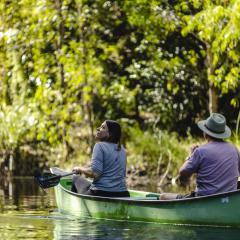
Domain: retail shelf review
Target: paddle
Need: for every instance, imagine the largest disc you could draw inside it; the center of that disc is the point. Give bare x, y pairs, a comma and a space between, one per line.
48, 180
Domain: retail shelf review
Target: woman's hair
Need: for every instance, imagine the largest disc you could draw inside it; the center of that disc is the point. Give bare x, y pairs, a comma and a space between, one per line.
115, 132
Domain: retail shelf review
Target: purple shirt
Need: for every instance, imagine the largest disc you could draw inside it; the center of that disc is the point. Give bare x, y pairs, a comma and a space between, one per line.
217, 165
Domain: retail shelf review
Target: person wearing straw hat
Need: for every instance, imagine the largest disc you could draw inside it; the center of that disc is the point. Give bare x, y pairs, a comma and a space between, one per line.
216, 163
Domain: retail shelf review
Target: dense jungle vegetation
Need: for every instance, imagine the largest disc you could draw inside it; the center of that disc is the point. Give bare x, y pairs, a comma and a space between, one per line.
156, 66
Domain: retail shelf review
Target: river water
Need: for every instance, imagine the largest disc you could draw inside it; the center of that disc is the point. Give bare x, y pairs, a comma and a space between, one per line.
27, 212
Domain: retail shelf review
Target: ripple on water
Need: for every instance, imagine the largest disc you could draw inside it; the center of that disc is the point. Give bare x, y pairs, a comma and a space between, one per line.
53, 225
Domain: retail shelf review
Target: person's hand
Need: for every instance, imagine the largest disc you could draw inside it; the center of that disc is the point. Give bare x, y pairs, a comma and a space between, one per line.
180, 181
175, 180
77, 170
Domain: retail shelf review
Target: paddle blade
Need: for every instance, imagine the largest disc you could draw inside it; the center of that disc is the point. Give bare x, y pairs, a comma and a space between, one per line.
47, 180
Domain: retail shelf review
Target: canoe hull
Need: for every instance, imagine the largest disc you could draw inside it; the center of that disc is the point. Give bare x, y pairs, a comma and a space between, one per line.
220, 210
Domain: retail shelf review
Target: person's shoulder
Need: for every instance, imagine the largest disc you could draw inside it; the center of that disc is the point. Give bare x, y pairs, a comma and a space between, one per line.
204, 146
201, 149
215, 145
224, 144
98, 146
108, 146
103, 145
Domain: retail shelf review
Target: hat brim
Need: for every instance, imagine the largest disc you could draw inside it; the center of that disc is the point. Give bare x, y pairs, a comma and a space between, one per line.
226, 134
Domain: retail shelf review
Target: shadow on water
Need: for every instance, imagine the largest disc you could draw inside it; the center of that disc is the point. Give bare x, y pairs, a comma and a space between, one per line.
26, 212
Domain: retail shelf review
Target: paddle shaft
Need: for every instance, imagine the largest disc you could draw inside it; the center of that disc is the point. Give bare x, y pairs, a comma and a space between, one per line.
47, 182
60, 176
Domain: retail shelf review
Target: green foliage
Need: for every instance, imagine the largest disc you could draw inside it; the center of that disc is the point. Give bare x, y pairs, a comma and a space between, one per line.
16, 123
155, 150
65, 66
216, 25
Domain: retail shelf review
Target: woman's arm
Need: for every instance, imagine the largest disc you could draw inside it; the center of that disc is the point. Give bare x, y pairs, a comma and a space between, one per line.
96, 168
87, 171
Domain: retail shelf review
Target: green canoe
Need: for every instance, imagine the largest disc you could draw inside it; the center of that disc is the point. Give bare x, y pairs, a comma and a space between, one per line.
218, 210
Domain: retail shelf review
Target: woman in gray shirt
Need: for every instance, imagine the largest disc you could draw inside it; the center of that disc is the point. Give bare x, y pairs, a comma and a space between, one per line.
108, 167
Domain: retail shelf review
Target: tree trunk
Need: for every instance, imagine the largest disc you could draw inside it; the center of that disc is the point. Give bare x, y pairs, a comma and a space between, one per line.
58, 4
213, 99
87, 105
213, 95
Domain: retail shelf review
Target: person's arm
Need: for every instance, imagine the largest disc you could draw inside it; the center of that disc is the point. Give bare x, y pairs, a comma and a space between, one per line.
87, 171
96, 168
189, 167
184, 175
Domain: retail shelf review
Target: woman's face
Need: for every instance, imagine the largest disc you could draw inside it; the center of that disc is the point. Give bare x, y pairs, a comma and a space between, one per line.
102, 132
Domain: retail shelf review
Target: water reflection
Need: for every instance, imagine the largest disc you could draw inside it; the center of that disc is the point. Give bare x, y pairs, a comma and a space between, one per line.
26, 212
14, 227
106, 229
23, 194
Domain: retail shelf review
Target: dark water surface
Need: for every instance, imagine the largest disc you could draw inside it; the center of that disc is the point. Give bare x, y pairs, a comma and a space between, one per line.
27, 212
